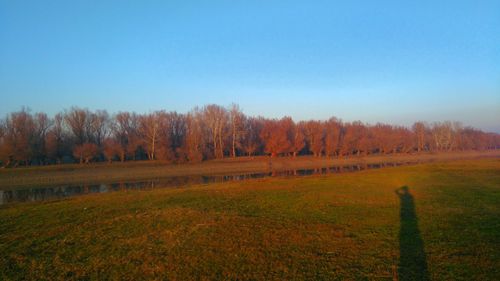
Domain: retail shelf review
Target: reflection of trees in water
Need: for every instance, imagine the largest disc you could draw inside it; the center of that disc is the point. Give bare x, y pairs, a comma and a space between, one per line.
55, 192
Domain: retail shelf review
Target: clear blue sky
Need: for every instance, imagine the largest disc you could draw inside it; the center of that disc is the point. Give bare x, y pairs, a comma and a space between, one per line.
388, 61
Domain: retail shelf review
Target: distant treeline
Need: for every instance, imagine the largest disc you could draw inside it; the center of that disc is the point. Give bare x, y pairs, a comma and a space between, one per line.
80, 135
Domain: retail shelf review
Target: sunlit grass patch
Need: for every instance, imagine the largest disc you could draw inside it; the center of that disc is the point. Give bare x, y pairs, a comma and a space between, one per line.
345, 226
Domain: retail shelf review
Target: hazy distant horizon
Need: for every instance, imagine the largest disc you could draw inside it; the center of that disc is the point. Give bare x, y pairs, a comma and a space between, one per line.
387, 61
399, 122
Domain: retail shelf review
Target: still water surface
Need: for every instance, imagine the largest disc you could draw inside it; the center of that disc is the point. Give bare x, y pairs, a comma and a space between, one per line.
63, 191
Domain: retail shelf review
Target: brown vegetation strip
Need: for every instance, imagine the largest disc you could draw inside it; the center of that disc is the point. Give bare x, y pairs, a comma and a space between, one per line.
107, 173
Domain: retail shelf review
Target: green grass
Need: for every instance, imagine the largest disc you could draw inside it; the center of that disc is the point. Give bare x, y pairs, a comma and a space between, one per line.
336, 227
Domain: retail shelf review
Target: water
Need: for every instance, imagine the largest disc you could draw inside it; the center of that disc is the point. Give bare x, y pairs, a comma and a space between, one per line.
63, 191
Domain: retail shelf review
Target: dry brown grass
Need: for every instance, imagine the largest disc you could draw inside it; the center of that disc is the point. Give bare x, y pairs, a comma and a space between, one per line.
135, 171
336, 227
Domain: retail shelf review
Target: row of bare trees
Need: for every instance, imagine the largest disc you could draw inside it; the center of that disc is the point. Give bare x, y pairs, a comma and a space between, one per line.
213, 132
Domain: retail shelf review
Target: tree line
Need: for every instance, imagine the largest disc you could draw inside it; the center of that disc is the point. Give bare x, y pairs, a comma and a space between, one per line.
213, 132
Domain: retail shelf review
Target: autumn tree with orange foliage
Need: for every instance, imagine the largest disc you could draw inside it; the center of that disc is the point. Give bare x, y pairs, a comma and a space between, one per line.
212, 132
85, 152
275, 135
315, 135
111, 149
333, 129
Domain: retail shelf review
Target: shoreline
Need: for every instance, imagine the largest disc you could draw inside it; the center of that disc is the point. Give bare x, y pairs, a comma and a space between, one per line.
130, 171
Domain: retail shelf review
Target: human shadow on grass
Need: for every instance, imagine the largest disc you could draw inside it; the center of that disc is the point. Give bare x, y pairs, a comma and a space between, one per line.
413, 261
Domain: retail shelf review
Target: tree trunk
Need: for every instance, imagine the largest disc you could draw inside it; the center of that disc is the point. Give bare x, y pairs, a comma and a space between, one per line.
153, 146
221, 148
215, 143
234, 145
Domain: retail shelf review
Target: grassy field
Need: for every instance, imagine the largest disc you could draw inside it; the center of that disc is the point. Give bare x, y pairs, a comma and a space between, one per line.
134, 171
437, 221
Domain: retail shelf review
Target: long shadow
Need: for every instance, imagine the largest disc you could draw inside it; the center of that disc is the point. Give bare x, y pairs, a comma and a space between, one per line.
413, 261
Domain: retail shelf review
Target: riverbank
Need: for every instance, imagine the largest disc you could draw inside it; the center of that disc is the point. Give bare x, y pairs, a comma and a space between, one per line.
130, 171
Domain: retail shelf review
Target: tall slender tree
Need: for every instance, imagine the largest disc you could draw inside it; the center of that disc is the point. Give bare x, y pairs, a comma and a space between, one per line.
236, 121
149, 130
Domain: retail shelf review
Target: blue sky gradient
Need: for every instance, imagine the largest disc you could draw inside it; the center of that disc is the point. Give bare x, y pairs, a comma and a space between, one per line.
374, 61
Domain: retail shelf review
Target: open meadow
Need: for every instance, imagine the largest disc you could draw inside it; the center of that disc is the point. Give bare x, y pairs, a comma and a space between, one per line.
249, 140
433, 221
